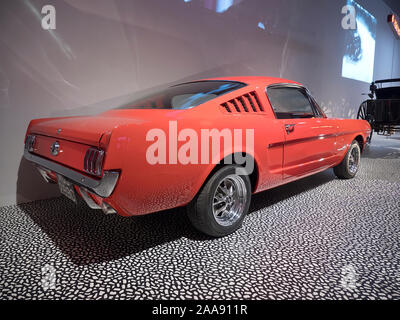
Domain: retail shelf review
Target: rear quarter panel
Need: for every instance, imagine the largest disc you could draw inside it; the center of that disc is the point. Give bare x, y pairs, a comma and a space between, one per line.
145, 188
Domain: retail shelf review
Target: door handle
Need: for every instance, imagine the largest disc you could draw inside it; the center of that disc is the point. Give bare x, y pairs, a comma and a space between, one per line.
289, 128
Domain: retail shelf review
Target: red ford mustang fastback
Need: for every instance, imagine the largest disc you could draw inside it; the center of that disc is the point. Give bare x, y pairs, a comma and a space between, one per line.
207, 145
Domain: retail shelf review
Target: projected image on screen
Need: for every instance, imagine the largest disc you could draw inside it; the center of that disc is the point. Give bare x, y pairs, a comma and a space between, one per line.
358, 60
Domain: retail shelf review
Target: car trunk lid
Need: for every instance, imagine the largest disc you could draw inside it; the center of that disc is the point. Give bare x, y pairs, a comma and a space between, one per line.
75, 135
89, 129
86, 130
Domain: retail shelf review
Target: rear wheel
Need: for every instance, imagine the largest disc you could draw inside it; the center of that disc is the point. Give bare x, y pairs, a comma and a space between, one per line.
222, 204
350, 165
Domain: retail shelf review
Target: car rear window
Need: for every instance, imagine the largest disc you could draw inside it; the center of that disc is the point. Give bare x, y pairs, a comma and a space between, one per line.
185, 96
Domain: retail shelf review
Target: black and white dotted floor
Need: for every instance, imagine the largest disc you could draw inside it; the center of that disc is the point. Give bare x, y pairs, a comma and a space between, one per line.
318, 238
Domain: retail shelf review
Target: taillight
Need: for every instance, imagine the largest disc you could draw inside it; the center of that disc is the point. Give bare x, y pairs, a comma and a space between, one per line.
93, 162
30, 143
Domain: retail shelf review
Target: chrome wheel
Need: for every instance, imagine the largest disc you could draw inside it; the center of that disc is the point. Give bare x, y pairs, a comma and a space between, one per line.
354, 160
229, 200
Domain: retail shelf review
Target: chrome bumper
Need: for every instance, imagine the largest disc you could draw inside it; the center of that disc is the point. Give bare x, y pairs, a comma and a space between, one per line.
102, 187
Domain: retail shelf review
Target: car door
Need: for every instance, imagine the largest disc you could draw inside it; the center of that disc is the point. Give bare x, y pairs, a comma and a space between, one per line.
309, 136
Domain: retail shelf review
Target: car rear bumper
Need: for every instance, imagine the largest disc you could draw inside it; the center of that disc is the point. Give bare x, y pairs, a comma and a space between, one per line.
102, 187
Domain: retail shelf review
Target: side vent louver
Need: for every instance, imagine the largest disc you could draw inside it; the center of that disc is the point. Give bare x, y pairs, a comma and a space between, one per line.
243, 104
225, 105
247, 103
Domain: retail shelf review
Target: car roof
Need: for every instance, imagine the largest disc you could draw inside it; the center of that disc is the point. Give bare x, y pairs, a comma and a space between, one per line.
256, 80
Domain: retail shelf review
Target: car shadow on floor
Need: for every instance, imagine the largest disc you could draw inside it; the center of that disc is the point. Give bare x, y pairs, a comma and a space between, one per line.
293, 189
88, 236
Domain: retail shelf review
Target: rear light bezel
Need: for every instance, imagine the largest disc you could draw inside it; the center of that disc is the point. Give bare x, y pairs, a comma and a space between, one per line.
30, 142
93, 161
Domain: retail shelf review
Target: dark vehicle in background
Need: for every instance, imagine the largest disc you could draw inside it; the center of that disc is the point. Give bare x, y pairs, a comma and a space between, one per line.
382, 110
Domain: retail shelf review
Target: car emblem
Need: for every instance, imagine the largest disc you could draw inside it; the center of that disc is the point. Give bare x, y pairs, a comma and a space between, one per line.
55, 148
58, 131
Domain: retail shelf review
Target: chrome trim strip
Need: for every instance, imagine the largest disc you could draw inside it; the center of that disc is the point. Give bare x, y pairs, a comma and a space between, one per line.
102, 187
307, 139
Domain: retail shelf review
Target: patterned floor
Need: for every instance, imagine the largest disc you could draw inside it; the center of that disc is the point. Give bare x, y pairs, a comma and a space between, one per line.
316, 238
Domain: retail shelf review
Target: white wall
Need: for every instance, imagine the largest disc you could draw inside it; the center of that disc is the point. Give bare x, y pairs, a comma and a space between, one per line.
103, 51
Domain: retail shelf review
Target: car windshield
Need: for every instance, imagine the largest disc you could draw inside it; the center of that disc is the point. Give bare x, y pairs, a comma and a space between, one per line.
185, 96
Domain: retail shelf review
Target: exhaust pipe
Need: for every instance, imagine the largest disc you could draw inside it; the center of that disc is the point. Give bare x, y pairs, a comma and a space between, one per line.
107, 209
47, 175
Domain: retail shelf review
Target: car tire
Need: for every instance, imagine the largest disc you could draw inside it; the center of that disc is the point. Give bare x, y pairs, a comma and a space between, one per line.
222, 203
350, 165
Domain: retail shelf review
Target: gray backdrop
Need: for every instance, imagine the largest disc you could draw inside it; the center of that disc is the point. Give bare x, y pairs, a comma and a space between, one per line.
103, 51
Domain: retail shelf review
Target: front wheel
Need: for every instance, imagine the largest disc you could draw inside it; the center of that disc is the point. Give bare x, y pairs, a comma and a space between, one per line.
350, 165
222, 204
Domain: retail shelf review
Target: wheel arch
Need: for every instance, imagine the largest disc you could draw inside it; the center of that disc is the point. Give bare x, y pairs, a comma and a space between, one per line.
254, 176
360, 139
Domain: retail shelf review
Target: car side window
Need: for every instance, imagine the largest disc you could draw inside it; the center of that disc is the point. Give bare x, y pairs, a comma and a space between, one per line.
290, 103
